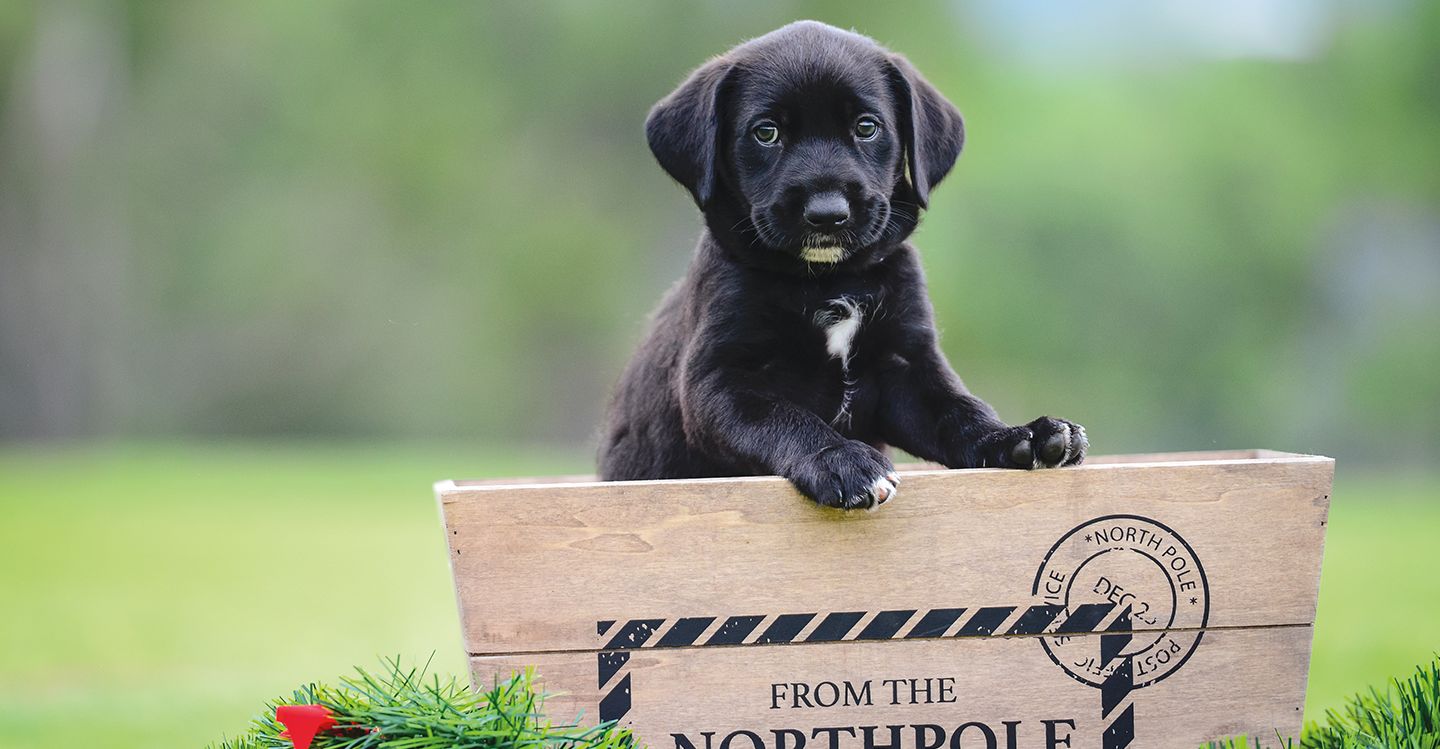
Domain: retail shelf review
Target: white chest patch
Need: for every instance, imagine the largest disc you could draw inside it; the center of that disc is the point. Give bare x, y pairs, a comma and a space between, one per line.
840, 321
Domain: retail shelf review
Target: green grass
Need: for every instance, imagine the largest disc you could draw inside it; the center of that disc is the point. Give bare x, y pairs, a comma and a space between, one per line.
158, 595
1379, 613
1403, 715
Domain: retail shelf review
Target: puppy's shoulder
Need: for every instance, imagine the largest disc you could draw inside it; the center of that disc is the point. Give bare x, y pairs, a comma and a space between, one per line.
715, 282
898, 271
904, 263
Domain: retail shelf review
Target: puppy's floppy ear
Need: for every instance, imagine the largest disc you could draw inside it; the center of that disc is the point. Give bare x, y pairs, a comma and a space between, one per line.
931, 127
684, 129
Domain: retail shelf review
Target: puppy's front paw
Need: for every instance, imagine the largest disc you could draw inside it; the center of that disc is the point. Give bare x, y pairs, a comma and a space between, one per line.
849, 476
1046, 442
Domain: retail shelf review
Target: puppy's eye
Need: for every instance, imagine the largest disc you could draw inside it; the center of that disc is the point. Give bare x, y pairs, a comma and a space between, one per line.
867, 128
766, 133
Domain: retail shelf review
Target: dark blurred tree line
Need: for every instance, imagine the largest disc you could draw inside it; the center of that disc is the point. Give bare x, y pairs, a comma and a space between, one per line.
441, 220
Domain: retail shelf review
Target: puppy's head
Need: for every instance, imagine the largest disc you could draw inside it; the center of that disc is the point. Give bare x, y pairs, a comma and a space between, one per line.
809, 145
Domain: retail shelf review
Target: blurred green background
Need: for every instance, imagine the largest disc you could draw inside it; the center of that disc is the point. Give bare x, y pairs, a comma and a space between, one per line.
268, 269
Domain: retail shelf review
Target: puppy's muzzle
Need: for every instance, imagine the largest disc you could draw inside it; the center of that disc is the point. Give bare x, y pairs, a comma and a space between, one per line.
826, 214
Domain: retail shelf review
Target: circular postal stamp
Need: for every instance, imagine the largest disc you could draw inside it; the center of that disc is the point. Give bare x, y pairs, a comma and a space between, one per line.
1125, 565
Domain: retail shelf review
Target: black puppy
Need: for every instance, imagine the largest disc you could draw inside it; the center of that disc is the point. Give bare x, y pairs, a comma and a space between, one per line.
802, 341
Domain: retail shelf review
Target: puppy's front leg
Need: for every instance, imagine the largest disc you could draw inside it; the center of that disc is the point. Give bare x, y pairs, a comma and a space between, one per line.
731, 412
927, 412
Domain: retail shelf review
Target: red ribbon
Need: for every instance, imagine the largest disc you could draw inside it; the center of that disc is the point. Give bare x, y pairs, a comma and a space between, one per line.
302, 722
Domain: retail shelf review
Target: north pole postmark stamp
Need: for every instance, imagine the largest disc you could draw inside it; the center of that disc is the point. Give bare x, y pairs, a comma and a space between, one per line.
1136, 565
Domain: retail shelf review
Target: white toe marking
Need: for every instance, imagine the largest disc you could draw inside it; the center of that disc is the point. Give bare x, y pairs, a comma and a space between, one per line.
882, 491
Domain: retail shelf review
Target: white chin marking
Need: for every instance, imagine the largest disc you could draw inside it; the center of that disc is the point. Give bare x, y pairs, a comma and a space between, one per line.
832, 254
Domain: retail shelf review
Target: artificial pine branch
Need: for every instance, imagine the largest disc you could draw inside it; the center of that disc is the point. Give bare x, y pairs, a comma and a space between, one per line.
401, 710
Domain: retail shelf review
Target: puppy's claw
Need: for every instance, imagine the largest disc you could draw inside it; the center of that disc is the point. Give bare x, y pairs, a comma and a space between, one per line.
1079, 443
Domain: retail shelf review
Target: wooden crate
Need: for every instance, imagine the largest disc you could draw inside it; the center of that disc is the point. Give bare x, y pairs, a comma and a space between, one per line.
1134, 601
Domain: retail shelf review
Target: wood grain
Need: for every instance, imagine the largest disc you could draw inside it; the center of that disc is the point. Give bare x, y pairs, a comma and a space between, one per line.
536, 565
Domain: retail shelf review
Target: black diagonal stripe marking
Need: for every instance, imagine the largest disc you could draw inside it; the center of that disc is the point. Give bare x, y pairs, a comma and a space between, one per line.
935, 622
684, 632
1035, 620
784, 628
1119, 734
1116, 686
1112, 644
602, 627
885, 625
610, 663
985, 621
634, 634
734, 630
614, 705
836, 626
1085, 618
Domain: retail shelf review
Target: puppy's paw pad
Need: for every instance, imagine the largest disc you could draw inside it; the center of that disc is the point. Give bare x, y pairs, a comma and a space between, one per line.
1062, 443
1022, 455
1011, 447
1052, 450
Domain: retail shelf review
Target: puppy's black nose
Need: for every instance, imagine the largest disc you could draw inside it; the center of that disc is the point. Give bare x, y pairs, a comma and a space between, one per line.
827, 210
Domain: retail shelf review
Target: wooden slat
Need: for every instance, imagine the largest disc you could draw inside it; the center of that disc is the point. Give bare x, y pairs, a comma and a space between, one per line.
1237, 682
538, 565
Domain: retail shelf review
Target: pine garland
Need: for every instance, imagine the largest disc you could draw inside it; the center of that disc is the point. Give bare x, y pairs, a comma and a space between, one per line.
401, 710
